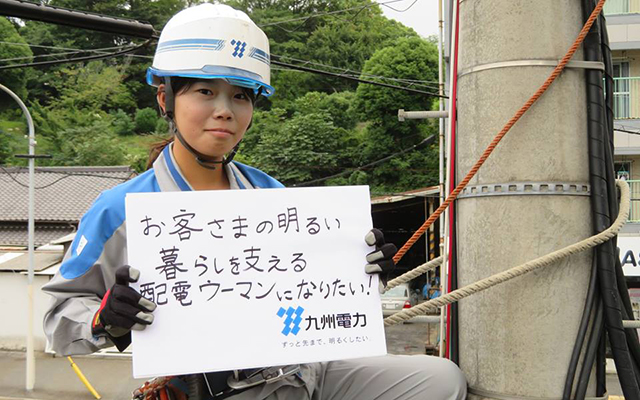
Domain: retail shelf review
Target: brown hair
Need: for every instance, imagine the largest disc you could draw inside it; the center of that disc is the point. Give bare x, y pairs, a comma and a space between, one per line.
155, 150
181, 85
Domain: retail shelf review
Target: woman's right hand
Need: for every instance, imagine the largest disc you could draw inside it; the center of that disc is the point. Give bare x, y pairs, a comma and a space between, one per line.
122, 308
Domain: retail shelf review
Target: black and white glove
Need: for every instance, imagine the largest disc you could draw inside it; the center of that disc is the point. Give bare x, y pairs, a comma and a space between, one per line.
380, 261
122, 308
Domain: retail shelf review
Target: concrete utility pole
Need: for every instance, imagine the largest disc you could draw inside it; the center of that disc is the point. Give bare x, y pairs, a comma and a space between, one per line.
516, 339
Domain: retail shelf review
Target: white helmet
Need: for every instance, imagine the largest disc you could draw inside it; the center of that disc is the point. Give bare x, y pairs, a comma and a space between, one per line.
213, 41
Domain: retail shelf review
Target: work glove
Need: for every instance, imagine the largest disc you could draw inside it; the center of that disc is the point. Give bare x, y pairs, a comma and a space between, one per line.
122, 308
380, 261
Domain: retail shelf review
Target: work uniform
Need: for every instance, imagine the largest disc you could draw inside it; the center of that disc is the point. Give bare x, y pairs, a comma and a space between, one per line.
99, 248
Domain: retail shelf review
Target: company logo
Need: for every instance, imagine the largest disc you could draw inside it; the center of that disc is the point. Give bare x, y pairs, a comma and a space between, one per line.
238, 51
291, 323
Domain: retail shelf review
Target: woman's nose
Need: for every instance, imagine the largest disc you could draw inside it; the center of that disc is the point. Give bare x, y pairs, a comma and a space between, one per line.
222, 109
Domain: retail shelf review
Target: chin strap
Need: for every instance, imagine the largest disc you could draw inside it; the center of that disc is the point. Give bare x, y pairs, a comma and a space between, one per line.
203, 160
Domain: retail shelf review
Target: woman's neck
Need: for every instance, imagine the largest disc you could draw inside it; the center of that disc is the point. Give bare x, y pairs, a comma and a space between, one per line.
199, 177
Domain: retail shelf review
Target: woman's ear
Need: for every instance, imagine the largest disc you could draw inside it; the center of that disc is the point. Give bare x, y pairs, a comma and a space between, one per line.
161, 96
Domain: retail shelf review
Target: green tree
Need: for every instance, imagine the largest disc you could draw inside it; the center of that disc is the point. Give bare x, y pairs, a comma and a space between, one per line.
14, 48
338, 105
308, 146
90, 145
411, 59
95, 86
146, 120
122, 123
5, 147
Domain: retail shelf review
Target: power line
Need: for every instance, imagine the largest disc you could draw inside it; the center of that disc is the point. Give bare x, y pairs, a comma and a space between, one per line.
101, 51
78, 59
401, 11
66, 175
62, 54
428, 140
282, 64
356, 74
308, 17
626, 131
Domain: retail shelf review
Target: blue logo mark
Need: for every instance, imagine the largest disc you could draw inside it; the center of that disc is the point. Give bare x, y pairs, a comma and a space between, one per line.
291, 324
238, 51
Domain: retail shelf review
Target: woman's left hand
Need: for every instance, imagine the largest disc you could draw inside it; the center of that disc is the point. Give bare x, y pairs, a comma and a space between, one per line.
379, 261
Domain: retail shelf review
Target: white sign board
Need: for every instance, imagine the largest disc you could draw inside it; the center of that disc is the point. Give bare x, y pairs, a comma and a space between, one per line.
253, 278
629, 252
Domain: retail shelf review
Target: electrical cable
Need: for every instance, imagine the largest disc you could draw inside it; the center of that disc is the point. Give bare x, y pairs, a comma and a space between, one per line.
101, 51
428, 140
78, 59
582, 330
500, 135
282, 64
401, 11
590, 354
598, 143
356, 74
308, 17
66, 175
627, 309
591, 52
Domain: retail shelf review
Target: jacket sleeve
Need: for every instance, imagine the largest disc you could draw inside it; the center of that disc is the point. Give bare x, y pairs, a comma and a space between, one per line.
86, 273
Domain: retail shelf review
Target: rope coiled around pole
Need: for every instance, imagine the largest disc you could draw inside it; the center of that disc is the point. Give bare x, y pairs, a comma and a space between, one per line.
519, 270
494, 143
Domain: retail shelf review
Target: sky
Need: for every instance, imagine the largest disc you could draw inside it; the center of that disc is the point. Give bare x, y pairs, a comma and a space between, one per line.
422, 16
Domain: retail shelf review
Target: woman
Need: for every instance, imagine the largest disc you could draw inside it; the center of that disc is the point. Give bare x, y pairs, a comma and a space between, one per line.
211, 64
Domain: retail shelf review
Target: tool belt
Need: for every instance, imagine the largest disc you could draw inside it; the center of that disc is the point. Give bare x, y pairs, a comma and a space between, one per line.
212, 385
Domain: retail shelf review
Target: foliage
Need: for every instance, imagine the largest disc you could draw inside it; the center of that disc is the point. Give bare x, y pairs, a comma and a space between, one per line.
146, 120
14, 79
5, 147
122, 123
96, 86
90, 145
314, 127
338, 105
308, 146
410, 59
162, 126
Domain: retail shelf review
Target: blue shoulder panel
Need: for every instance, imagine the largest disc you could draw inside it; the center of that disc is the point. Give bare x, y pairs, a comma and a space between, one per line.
258, 178
101, 221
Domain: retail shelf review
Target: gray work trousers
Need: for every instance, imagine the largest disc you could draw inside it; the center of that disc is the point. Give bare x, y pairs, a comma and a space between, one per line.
376, 378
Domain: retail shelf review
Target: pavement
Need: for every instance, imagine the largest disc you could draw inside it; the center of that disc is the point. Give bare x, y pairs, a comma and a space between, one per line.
111, 376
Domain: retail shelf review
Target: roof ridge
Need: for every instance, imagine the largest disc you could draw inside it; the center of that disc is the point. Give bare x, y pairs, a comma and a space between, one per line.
117, 168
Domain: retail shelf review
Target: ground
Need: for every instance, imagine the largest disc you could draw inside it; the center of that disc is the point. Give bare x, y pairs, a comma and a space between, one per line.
111, 376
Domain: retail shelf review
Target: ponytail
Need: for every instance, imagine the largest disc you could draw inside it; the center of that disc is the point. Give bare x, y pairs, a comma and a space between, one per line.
155, 150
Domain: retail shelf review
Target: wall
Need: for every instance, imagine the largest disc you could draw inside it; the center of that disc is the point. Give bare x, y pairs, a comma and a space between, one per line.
13, 308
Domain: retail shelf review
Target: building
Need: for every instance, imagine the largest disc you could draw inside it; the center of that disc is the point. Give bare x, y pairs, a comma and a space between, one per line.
623, 24
62, 196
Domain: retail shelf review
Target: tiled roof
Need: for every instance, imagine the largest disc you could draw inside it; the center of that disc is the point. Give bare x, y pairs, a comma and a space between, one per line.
63, 194
17, 235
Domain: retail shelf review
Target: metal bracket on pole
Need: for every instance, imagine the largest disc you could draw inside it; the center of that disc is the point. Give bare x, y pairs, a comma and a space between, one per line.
597, 65
402, 114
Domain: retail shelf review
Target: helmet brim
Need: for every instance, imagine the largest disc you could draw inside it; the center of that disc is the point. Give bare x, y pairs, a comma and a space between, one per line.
231, 75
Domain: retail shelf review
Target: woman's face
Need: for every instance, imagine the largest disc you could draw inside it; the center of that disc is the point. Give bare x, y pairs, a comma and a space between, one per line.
212, 116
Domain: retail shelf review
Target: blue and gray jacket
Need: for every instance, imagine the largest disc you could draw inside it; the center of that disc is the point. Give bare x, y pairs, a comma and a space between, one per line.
100, 247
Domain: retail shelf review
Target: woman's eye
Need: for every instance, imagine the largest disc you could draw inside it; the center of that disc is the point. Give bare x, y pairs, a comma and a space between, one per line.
205, 91
242, 96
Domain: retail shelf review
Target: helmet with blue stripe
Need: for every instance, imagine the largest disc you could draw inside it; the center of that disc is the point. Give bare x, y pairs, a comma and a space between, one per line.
213, 41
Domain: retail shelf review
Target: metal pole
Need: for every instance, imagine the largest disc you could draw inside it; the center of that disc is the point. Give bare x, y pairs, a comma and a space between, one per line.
402, 114
31, 361
444, 180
